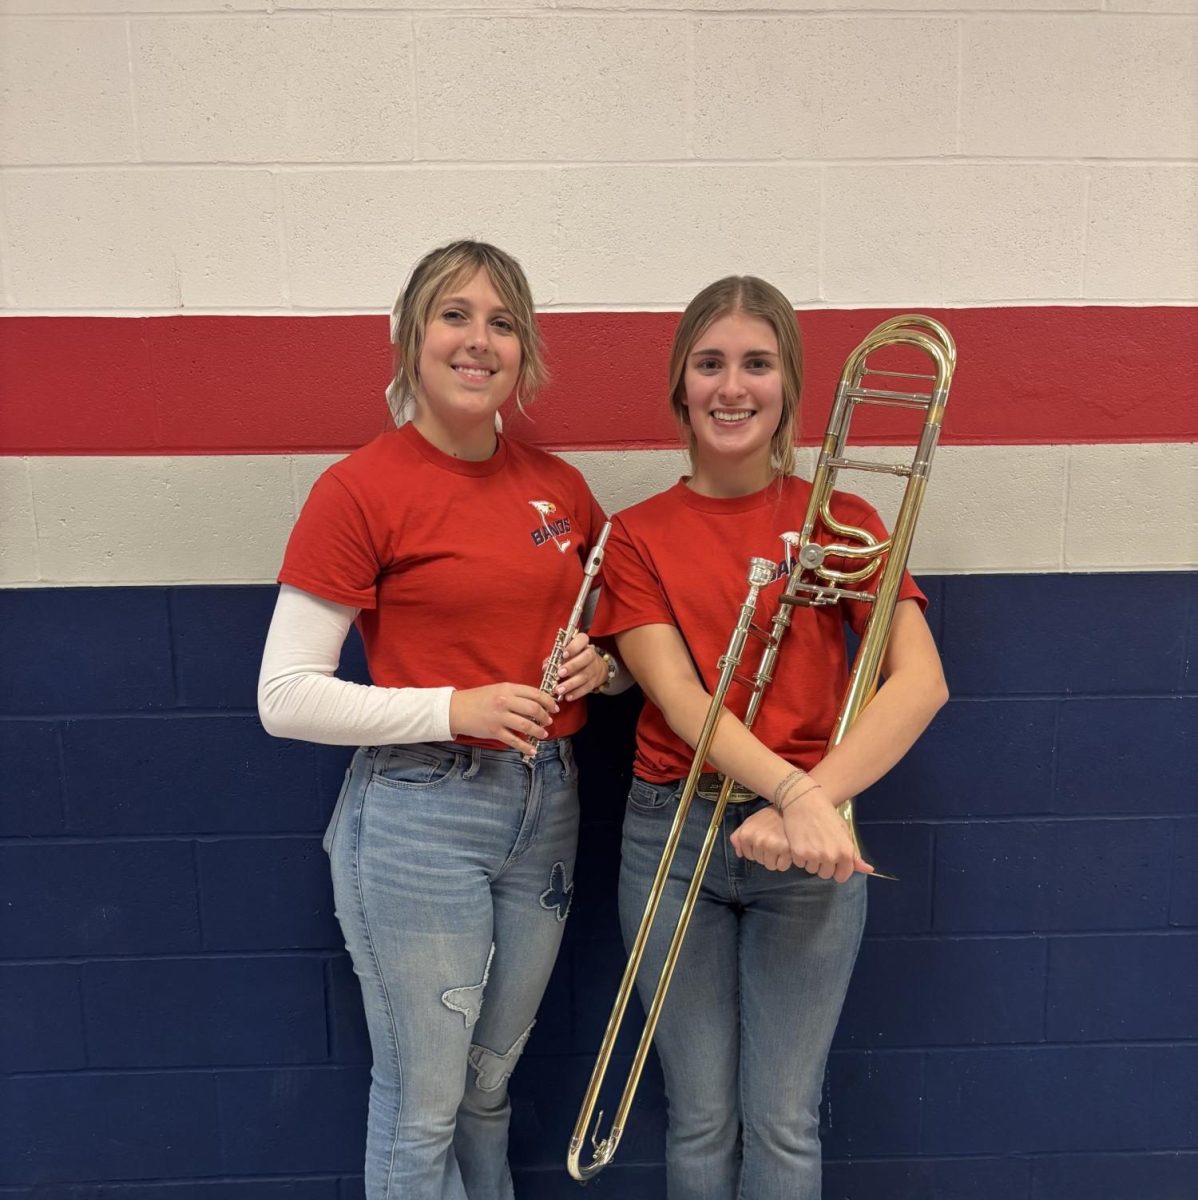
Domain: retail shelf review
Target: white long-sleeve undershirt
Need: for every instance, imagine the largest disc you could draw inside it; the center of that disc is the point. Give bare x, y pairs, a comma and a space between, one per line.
300, 697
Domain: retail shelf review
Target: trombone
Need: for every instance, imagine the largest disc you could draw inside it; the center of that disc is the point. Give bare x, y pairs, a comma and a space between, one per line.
812, 582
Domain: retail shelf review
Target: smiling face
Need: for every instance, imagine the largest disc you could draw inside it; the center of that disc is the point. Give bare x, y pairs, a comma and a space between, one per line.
469, 362
737, 359
733, 394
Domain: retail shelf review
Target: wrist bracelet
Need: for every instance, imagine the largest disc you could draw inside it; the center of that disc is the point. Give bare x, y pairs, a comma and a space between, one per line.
609, 661
785, 785
797, 796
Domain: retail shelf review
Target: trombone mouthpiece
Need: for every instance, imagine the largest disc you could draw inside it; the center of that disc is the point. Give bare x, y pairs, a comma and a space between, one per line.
761, 571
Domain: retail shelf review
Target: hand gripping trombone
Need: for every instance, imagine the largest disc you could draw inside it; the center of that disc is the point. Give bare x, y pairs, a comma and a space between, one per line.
811, 582
566, 636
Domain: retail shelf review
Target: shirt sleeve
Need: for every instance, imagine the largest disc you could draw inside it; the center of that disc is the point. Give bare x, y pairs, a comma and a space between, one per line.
631, 595
299, 696
331, 552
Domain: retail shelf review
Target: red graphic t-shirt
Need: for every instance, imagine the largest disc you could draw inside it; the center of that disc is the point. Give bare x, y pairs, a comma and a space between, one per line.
682, 559
464, 571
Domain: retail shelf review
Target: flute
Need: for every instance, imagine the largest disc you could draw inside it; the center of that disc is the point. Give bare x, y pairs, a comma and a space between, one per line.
565, 636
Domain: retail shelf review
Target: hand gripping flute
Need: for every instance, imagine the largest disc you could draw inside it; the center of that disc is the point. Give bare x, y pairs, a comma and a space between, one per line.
566, 636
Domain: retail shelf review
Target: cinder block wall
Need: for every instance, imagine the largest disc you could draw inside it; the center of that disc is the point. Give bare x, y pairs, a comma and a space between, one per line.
205, 211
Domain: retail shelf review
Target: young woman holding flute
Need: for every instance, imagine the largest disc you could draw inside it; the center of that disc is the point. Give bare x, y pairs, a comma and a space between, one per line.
746, 1026
458, 552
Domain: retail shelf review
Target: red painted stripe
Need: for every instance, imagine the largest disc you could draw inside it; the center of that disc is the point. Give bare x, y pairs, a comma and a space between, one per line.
196, 385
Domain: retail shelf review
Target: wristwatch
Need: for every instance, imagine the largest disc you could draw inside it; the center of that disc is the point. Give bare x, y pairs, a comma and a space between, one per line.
609, 661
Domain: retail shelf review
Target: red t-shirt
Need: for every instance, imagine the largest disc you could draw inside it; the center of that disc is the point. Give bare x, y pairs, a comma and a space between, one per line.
682, 559
464, 571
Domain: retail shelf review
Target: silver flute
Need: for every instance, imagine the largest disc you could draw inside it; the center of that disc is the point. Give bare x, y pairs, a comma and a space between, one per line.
565, 636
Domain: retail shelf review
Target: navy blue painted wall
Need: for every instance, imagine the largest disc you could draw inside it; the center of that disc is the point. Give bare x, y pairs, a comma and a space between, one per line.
177, 1021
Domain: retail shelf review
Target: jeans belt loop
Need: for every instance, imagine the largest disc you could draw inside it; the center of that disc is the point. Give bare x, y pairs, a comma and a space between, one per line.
476, 758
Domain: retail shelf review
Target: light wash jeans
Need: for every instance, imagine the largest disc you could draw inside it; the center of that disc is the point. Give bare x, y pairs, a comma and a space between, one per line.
745, 1029
453, 872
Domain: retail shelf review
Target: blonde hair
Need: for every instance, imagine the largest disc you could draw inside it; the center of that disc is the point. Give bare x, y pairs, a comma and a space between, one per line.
755, 298
436, 273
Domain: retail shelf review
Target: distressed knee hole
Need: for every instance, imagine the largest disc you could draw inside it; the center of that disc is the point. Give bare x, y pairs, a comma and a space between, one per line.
469, 1000
494, 1070
557, 896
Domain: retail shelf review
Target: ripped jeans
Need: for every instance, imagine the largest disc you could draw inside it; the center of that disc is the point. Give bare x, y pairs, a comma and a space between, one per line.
453, 871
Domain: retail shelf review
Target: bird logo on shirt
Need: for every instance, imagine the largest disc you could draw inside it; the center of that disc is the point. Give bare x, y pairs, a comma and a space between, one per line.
791, 541
550, 530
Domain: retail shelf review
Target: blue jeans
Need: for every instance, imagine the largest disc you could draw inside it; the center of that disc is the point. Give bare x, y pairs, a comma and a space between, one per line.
745, 1029
453, 872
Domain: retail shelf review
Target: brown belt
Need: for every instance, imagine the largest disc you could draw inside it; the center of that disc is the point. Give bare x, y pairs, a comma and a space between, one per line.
709, 789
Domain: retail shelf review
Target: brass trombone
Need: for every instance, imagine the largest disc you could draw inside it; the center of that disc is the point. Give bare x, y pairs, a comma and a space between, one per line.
812, 582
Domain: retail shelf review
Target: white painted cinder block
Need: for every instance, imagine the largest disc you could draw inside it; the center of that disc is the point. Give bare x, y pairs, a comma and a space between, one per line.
482, 6
305, 470
656, 235
66, 96
222, 519
498, 89
139, 6
1153, 6
1143, 233
1132, 506
162, 520
622, 478
988, 507
305, 89
753, 7
961, 5
1118, 86
825, 87
142, 239
353, 236
18, 532
953, 233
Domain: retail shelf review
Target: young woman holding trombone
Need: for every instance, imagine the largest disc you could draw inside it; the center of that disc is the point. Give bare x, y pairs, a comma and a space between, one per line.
758, 984
458, 552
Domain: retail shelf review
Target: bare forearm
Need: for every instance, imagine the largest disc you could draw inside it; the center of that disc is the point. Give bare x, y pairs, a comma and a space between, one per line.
887, 728
734, 750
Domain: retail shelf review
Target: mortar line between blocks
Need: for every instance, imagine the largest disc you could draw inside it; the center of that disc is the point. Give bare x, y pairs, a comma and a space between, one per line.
1087, 195
282, 235
138, 149
197, 893
960, 85
414, 59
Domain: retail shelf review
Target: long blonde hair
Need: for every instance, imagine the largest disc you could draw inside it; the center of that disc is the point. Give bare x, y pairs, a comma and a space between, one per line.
436, 273
755, 298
